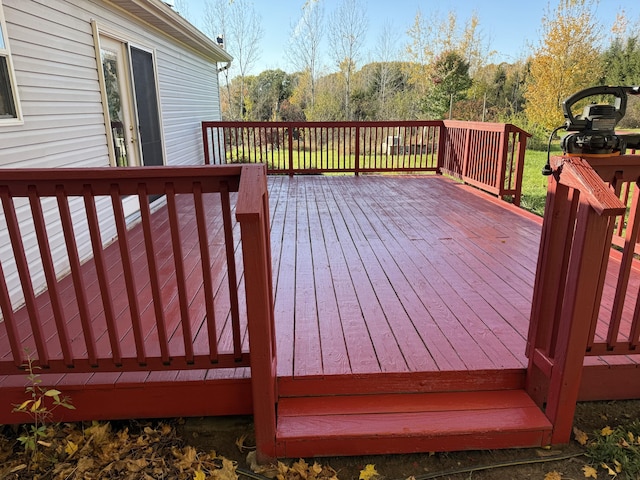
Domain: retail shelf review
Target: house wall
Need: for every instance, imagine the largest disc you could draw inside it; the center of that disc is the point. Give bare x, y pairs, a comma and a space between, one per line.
52, 46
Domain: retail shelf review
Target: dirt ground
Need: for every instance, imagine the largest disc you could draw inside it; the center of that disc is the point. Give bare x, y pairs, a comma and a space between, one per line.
221, 435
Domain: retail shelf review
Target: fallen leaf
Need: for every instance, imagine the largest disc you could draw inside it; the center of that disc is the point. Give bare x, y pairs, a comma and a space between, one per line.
184, 457
590, 472
70, 448
606, 431
581, 437
368, 473
199, 475
609, 470
137, 465
553, 476
618, 465
227, 472
301, 468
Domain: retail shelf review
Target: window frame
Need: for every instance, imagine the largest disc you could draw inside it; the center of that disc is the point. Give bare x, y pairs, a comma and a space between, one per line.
13, 84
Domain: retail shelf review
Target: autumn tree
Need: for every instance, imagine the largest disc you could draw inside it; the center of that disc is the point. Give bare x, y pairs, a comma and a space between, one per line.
348, 28
328, 106
420, 54
565, 61
304, 47
239, 26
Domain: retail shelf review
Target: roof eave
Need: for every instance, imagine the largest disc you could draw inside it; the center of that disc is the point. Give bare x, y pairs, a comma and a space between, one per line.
164, 18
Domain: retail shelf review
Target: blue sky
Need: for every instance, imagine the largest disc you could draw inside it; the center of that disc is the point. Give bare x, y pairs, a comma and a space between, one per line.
508, 26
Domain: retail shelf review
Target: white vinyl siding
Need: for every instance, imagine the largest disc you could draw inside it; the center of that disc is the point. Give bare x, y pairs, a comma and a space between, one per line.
10, 110
56, 71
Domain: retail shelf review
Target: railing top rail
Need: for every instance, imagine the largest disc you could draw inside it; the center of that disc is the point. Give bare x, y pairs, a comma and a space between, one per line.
483, 126
625, 168
127, 179
332, 124
576, 172
512, 128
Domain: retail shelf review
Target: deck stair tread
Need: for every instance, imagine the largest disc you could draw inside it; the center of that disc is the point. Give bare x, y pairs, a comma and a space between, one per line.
404, 423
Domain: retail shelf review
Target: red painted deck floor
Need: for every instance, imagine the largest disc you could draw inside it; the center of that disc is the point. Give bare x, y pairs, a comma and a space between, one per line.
390, 278
386, 274
397, 275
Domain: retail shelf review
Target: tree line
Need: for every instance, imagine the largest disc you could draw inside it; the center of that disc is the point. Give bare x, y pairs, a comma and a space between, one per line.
444, 70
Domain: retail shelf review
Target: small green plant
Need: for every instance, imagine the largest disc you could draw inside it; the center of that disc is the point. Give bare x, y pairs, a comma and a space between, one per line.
614, 450
40, 407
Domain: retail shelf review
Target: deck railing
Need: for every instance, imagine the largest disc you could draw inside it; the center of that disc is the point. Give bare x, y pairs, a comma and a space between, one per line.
163, 295
488, 156
575, 264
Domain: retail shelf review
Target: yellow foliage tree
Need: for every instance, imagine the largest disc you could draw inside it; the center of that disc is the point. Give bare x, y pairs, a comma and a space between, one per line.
566, 61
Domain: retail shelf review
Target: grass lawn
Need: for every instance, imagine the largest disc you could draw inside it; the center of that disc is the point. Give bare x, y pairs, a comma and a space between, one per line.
534, 184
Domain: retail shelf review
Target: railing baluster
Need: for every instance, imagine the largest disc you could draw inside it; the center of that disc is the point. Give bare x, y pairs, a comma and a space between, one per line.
626, 263
101, 271
22, 266
205, 144
129, 278
156, 291
9, 322
205, 259
231, 270
50, 275
289, 131
76, 274
174, 226
357, 160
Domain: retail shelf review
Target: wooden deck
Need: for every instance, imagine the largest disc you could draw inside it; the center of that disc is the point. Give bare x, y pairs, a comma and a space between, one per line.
389, 275
382, 284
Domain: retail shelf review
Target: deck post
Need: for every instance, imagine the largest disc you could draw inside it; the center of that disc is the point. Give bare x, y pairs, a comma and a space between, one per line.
442, 139
289, 131
521, 143
567, 291
503, 148
580, 301
252, 212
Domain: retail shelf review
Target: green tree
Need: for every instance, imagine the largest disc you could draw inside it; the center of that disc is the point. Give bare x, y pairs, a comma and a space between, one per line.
565, 61
621, 62
450, 80
267, 91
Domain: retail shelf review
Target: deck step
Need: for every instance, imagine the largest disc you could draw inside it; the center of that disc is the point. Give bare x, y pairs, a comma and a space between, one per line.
406, 423
406, 382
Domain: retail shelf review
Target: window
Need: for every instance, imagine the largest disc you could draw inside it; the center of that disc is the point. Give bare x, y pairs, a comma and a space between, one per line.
9, 106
